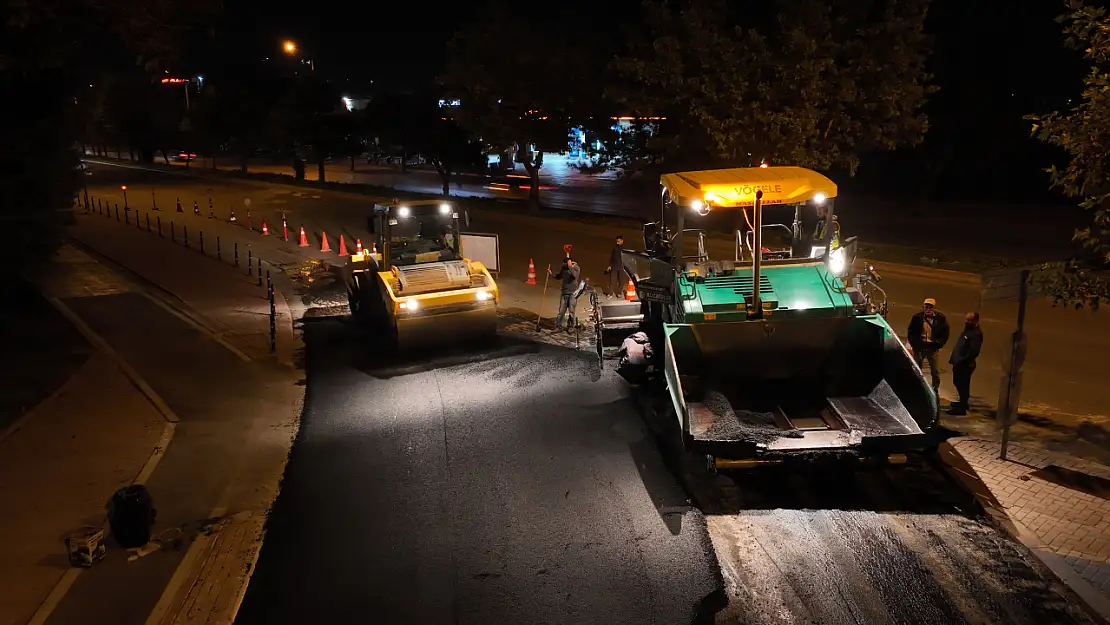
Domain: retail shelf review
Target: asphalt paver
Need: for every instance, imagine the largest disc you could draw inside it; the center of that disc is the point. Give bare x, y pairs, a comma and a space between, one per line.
514, 483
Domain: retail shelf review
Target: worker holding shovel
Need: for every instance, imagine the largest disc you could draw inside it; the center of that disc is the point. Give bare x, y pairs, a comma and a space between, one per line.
569, 275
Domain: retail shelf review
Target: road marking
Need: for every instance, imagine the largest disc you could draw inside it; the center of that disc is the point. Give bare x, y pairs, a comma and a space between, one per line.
187, 318
169, 428
107, 350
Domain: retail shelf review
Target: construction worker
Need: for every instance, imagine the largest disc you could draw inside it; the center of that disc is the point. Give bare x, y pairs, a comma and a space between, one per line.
822, 225
617, 276
927, 334
570, 274
964, 353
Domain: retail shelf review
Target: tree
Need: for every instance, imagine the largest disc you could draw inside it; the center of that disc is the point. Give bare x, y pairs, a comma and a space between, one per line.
522, 86
817, 84
418, 125
1083, 132
50, 51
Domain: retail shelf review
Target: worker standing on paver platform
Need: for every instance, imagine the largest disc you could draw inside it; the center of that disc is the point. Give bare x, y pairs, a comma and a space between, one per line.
615, 270
964, 353
570, 275
927, 334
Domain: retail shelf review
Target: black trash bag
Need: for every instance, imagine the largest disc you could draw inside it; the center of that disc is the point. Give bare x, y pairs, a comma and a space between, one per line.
131, 516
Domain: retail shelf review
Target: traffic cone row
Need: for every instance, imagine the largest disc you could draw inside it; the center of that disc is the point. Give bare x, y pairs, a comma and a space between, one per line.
358, 246
342, 247
324, 247
531, 272
304, 239
265, 230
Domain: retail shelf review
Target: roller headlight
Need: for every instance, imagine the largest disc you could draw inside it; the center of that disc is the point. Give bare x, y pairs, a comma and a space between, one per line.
403, 211
411, 305
445, 209
483, 295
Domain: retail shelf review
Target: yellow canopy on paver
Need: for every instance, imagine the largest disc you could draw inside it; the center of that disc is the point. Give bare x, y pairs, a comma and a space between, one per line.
736, 187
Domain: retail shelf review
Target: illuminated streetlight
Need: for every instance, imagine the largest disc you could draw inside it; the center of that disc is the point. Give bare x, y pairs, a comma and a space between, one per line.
290, 47
124, 189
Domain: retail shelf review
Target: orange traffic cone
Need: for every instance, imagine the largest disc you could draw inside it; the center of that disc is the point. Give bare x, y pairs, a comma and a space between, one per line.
265, 230
179, 206
342, 247
196, 209
324, 247
373, 248
304, 239
630, 291
232, 218
531, 272
358, 246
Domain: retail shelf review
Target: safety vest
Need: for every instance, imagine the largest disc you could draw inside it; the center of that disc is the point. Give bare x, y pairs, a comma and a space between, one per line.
819, 233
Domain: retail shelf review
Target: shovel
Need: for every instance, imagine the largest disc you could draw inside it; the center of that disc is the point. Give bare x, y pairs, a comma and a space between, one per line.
539, 311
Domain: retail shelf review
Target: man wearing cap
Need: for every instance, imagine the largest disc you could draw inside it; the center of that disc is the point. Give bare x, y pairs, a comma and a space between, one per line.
927, 334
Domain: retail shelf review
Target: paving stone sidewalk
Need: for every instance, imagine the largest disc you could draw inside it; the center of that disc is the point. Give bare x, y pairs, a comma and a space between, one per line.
1067, 521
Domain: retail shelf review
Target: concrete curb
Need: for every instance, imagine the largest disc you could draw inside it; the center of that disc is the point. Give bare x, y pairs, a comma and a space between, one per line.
1092, 600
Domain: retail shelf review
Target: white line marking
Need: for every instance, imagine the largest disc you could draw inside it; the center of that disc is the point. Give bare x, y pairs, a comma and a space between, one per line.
106, 349
169, 427
187, 318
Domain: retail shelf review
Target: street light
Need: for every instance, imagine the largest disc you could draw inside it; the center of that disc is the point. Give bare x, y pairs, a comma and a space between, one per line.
124, 189
290, 48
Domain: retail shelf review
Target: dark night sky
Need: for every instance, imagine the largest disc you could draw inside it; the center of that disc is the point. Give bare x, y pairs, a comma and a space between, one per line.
994, 61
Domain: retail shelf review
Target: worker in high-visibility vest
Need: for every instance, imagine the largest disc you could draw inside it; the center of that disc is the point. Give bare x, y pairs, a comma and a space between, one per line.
822, 224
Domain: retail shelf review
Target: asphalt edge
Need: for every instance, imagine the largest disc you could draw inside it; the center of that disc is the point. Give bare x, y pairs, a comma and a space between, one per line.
1092, 601
169, 428
925, 273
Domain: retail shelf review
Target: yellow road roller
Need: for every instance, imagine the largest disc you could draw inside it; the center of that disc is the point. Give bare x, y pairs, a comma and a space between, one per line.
413, 282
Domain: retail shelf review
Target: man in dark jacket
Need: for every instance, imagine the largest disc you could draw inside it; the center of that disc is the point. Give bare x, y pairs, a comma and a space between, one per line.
617, 276
927, 334
966, 350
569, 275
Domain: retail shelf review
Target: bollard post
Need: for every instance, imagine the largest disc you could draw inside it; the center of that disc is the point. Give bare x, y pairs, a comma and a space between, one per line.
99, 206
250, 259
236, 253
126, 217
185, 229
159, 225
202, 241
153, 201
259, 272
173, 233
219, 255
148, 222
117, 211
273, 314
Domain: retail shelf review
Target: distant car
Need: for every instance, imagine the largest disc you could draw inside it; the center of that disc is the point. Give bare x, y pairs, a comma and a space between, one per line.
183, 156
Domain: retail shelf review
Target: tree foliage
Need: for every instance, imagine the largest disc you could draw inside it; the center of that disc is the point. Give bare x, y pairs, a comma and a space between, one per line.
817, 85
50, 51
1084, 133
522, 84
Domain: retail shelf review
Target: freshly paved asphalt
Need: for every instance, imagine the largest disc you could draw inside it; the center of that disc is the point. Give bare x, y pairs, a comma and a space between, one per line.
512, 484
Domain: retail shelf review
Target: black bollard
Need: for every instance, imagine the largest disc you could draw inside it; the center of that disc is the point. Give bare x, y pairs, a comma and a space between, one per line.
99, 206
159, 225
273, 314
117, 212
219, 254
202, 241
126, 216
185, 229
148, 222
259, 272
250, 259
236, 253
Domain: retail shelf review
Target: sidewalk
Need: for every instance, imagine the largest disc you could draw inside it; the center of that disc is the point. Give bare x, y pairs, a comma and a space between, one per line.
1055, 504
57, 472
205, 289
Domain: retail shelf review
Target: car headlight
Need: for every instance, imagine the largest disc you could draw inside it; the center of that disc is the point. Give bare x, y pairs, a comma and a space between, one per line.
836, 261
483, 295
411, 305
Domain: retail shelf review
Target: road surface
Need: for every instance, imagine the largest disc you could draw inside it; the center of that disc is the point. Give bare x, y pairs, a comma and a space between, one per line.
515, 484
518, 484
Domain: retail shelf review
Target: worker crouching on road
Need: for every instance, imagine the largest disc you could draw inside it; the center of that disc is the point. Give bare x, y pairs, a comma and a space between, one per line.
927, 334
570, 274
964, 353
617, 276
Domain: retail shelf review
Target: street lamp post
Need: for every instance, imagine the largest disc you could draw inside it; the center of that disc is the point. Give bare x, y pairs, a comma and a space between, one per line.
124, 189
290, 48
